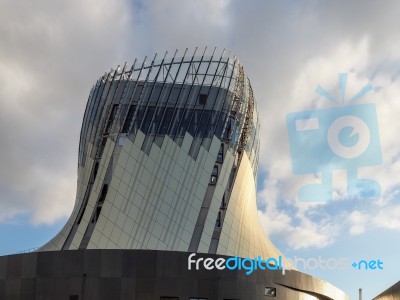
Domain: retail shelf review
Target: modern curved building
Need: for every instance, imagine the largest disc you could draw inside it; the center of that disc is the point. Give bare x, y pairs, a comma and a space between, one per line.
168, 160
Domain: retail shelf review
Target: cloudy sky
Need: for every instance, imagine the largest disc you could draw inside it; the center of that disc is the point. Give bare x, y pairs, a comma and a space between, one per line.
51, 52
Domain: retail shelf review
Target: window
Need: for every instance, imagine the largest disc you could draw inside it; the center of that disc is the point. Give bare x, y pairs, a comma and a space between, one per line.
81, 216
167, 119
202, 99
103, 142
220, 156
101, 149
169, 298
270, 292
223, 203
129, 118
218, 222
111, 118
96, 168
97, 215
103, 193
147, 119
214, 175
229, 127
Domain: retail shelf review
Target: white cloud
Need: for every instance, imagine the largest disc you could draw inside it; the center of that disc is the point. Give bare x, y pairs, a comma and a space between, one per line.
50, 55
175, 24
357, 222
304, 235
330, 52
387, 218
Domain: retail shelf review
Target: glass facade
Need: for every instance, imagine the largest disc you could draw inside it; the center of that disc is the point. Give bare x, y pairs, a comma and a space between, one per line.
204, 96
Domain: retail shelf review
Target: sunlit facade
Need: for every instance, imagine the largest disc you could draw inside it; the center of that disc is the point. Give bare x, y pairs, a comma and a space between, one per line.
392, 293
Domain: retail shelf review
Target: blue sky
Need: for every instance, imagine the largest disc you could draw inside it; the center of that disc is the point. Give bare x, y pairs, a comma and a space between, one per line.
51, 53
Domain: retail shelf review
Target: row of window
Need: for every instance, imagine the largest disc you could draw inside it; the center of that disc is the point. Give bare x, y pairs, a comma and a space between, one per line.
220, 159
173, 118
213, 180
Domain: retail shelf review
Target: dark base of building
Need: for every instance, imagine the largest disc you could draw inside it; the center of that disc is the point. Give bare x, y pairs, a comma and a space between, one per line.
145, 274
